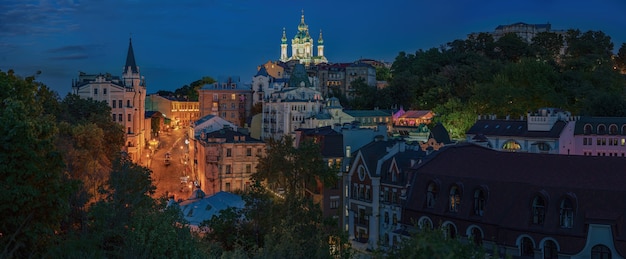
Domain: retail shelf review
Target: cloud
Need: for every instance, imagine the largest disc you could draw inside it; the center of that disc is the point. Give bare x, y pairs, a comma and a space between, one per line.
70, 57
35, 18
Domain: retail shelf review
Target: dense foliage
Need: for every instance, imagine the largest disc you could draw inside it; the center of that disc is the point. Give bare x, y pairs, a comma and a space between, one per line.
507, 76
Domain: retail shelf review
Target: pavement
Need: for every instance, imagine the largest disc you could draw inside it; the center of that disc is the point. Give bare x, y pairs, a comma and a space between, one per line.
171, 179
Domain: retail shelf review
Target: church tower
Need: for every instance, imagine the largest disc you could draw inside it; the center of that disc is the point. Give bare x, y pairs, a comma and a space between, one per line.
302, 46
135, 101
320, 46
283, 47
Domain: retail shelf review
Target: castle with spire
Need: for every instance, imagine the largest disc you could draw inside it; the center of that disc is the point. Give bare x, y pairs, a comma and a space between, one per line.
126, 96
302, 46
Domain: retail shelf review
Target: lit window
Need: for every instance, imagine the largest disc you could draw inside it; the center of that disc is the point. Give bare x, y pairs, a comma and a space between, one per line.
511, 145
455, 199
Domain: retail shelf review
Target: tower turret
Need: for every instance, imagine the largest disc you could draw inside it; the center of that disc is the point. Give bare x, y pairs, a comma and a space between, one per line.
320, 45
283, 47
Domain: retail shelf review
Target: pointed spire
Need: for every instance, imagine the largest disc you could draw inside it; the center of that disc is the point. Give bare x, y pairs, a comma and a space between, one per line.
130, 58
283, 40
320, 41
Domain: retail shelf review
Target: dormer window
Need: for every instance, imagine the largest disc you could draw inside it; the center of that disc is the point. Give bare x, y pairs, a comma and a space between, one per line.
479, 202
454, 199
538, 210
601, 129
566, 211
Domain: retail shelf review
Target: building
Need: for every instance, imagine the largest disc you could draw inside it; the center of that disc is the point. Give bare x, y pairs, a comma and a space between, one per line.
292, 107
543, 131
521, 204
226, 160
229, 99
523, 30
302, 46
371, 118
126, 97
180, 113
376, 185
595, 136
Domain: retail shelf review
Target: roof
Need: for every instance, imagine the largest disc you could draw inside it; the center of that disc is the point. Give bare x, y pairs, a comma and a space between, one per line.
517, 128
331, 140
130, 58
440, 134
512, 179
229, 135
416, 114
196, 210
373, 152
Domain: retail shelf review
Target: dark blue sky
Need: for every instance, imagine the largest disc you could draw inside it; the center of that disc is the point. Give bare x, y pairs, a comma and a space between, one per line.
178, 42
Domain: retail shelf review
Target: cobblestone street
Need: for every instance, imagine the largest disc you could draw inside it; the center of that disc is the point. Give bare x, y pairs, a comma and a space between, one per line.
169, 179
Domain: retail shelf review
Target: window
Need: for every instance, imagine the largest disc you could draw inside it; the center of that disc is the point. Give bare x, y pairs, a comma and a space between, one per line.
216, 97
613, 129
229, 152
538, 210
248, 169
479, 202
224, 96
600, 252
104, 91
334, 202
587, 129
477, 236
449, 230
431, 195
95, 91
549, 250
114, 117
455, 199
227, 169
386, 217
129, 117
601, 129
232, 106
511, 145
119, 116
248, 151
113, 103
544, 147
425, 223
395, 219
119, 102
127, 103
527, 247
233, 97
227, 187
129, 130
567, 213
368, 194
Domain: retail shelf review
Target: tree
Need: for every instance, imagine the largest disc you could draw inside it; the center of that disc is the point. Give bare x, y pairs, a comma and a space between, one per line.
620, 59
364, 95
427, 243
293, 168
34, 193
547, 45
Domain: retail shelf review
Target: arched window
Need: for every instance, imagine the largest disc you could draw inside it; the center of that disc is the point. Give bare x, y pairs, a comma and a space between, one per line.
538, 210
613, 129
588, 129
600, 252
425, 223
431, 195
449, 230
601, 129
455, 199
566, 213
477, 236
479, 202
543, 146
549, 250
511, 145
527, 247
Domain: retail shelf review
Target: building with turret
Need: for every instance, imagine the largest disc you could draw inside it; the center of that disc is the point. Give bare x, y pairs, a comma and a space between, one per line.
126, 96
302, 46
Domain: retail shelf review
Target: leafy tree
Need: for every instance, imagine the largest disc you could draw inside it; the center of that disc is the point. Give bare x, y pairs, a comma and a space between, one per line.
293, 168
547, 45
364, 95
511, 47
429, 244
383, 73
620, 59
34, 193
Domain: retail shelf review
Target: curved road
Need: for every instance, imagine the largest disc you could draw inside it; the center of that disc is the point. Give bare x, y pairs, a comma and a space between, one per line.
167, 178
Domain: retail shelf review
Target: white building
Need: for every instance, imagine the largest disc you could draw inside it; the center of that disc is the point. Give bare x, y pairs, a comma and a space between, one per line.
302, 46
126, 96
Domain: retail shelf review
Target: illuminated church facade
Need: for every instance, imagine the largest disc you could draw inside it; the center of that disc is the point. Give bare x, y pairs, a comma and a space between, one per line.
302, 46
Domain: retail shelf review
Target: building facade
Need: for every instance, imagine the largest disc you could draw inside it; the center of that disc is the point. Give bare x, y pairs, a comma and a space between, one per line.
229, 99
126, 97
524, 205
226, 160
181, 113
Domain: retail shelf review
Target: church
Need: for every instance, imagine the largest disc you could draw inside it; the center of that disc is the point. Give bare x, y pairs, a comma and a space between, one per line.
302, 46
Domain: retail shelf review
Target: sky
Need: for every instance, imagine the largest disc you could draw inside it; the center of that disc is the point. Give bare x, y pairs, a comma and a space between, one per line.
178, 42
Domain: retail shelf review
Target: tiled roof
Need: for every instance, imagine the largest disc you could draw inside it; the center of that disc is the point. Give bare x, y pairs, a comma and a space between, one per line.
517, 128
512, 179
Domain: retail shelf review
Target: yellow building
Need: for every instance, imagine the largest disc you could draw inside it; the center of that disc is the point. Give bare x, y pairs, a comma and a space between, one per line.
180, 113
